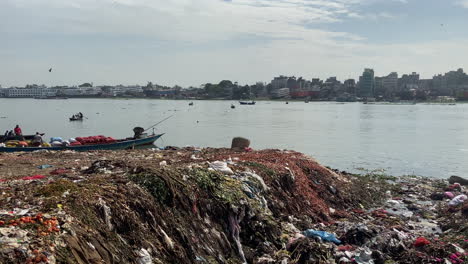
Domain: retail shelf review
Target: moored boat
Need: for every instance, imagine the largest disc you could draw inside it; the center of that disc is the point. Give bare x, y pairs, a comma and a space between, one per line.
247, 103
127, 143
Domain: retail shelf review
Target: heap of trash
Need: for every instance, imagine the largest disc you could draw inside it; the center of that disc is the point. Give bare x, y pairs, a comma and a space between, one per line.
193, 205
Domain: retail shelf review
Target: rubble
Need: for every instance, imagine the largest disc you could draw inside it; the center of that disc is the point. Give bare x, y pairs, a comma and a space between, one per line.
187, 205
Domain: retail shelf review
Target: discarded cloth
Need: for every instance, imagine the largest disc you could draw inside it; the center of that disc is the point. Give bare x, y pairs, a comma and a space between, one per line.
421, 241
458, 200
34, 177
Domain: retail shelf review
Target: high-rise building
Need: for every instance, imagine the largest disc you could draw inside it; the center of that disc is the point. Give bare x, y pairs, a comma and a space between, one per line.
366, 84
390, 84
408, 82
279, 82
350, 86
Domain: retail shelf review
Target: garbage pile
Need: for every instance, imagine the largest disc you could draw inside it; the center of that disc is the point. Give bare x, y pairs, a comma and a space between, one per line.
188, 205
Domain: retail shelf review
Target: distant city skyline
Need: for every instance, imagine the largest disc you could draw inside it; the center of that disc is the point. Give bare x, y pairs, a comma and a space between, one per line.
187, 42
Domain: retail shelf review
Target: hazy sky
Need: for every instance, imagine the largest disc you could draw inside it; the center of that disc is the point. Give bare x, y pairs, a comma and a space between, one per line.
190, 42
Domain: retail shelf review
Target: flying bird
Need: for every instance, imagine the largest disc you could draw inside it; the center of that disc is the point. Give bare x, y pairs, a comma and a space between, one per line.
50, 70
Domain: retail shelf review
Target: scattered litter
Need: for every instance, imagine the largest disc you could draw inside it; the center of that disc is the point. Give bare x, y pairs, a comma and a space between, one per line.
45, 166
144, 257
421, 241
34, 177
221, 167
458, 200
325, 236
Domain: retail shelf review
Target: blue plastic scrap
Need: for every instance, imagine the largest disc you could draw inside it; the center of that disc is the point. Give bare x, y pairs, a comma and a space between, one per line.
45, 166
325, 236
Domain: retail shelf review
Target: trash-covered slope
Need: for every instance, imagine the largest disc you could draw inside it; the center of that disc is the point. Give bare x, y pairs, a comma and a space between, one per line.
219, 206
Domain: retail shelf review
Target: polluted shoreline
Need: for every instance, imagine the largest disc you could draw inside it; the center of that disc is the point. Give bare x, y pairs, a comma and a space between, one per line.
189, 205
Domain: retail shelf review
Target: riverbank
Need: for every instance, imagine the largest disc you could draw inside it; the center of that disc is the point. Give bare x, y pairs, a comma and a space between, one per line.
219, 206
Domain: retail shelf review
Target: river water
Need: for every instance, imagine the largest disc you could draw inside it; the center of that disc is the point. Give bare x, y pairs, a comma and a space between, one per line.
422, 139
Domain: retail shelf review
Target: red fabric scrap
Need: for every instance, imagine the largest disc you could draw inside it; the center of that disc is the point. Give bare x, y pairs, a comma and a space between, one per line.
380, 213
34, 177
421, 241
345, 248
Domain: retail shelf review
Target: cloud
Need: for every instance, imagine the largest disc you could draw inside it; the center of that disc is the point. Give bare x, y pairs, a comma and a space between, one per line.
463, 3
190, 42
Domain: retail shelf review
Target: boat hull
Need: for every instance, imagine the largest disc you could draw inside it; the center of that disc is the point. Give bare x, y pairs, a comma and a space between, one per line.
128, 144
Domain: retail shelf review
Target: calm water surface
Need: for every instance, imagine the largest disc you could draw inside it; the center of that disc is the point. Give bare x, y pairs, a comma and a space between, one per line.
429, 140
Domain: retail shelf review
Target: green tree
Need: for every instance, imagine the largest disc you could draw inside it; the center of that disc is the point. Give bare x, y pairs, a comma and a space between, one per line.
86, 85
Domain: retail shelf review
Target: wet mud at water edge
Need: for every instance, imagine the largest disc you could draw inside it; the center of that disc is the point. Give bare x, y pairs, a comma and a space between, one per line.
221, 206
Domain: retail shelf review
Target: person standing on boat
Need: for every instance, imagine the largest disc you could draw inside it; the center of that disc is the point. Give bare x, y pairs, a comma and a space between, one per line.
37, 140
18, 131
80, 115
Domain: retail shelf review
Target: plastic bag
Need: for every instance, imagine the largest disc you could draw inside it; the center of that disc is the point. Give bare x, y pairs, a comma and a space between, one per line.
458, 200
325, 236
221, 167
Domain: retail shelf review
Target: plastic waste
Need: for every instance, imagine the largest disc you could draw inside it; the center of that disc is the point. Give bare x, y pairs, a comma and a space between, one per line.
325, 236
144, 257
364, 257
34, 177
458, 200
221, 167
45, 166
421, 241
449, 195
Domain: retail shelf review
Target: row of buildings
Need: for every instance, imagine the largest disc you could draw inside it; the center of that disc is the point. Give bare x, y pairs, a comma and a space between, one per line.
41, 91
389, 87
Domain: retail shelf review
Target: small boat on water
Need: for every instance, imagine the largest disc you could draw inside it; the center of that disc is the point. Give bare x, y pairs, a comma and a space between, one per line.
233, 106
190, 104
127, 143
75, 118
247, 103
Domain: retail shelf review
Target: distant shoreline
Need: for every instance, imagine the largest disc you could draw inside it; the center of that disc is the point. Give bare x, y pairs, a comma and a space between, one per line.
237, 100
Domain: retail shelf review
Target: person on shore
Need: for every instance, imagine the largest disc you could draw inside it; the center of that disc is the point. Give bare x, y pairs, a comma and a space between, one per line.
18, 131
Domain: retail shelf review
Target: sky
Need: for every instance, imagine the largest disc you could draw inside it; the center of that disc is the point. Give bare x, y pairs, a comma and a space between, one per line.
192, 42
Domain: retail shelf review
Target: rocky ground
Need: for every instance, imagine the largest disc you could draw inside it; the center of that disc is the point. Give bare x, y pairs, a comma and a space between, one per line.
221, 206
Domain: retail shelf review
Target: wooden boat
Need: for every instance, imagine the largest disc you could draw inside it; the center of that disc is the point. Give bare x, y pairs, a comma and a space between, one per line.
247, 103
74, 118
120, 144
6, 138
